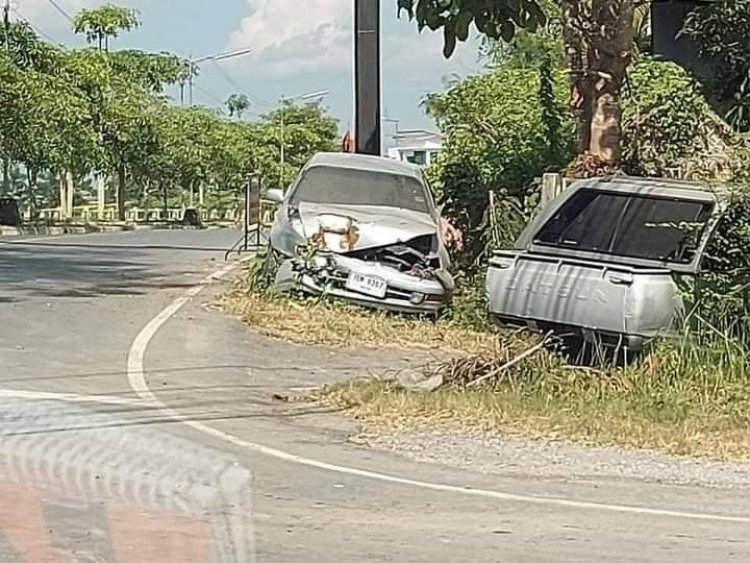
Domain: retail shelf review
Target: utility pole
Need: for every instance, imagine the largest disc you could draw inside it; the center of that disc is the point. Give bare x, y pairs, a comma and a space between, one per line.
190, 83
282, 148
367, 128
6, 23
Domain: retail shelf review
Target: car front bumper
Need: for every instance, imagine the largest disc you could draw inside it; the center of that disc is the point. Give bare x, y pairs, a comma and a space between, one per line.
327, 274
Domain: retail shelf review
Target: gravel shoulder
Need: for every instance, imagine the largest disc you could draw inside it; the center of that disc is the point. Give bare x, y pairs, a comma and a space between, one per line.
492, 453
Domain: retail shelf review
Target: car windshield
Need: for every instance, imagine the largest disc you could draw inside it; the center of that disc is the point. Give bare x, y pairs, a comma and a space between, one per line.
628, 225
347, 186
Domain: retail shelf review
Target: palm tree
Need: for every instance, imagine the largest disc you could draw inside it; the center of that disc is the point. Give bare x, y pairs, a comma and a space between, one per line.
237, 104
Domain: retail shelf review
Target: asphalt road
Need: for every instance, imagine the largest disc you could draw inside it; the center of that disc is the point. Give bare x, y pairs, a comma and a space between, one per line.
137, 424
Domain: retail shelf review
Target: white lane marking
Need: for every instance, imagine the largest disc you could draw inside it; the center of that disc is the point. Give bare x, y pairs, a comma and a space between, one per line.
137, 380
73, 398
11, 241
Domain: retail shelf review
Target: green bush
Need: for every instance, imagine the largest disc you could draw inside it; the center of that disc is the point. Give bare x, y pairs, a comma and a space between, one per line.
662, 114
668, 124
503, 130
722, 291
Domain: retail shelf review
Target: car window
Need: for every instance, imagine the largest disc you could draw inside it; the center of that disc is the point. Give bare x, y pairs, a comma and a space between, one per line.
361, 187
628, 225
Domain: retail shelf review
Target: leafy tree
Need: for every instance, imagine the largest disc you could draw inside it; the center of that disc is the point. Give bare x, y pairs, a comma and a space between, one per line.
104, 23
26, 50
528, 49
304, 129
122, 116
598, 40
153, 71
44, 122
721, 30
503, 129
78, 114
668, 125
496, 20
237, 104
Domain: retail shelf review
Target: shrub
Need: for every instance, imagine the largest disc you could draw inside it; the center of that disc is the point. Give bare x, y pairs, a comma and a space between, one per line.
722, 291
660, 111
503, 129
667, 124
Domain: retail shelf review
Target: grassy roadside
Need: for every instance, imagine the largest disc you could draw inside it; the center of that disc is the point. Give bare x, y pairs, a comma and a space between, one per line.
686, 399
682, 424
323, 322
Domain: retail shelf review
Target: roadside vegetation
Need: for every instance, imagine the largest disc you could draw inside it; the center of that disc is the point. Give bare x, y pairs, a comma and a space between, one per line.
70, 117
504, 129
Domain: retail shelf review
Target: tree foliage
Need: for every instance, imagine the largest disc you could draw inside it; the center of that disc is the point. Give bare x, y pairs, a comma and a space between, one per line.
668, 127
237, 104
528, 48
503, 129
721, 30
153, 71
496, 20
105, 22
91, 112
598, 37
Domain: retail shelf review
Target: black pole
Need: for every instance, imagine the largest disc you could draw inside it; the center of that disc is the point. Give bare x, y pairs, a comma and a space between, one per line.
260, 212
247, 214
367, 76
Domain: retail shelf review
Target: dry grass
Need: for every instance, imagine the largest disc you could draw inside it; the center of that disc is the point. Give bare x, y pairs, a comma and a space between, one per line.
687, 399
585, 419
321, 321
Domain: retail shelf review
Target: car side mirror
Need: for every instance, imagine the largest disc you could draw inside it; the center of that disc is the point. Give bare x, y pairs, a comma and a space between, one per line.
275, 195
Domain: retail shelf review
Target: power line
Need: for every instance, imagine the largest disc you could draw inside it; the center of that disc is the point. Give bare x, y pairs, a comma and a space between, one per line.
59, 8
36, 29
209, 94
240, 88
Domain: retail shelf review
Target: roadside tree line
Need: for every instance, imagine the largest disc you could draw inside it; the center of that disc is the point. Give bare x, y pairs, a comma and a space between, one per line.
71, 116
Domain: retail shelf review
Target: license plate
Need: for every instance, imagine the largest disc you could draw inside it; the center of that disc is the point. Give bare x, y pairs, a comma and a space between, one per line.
369, 285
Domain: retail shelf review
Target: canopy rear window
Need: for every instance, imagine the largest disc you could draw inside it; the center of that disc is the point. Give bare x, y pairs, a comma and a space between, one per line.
628, 225
323, 184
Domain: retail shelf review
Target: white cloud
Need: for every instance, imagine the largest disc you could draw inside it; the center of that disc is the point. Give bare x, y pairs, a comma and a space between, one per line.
290, 36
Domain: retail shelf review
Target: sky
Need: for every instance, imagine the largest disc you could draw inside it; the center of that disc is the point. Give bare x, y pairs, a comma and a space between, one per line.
298, 47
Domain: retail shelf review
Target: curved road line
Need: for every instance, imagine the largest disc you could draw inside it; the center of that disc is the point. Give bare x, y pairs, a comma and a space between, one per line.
137, 380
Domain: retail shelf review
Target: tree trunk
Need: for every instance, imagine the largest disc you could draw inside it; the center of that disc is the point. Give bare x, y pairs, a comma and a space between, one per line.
6, 174
63, 197
575, 12
612, 50
121, 193
31, 177
69, 193
101, 199
165, 199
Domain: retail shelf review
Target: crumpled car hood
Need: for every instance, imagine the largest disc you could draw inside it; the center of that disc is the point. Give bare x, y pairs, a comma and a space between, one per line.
373, 226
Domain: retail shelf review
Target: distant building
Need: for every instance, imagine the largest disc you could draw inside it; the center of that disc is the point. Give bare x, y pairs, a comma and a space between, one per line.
417, 146
667, 44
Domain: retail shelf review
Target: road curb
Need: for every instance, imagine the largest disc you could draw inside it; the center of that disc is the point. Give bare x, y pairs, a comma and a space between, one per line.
60, 230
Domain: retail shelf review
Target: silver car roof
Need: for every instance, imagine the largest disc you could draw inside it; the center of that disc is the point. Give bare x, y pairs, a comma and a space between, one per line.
365, 163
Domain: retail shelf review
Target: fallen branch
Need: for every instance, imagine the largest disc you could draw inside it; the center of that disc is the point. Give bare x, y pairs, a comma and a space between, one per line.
530, 352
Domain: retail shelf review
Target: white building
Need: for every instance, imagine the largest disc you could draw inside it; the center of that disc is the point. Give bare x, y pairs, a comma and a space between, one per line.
417, 146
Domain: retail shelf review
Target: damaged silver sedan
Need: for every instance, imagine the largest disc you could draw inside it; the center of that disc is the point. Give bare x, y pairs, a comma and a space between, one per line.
365, 229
